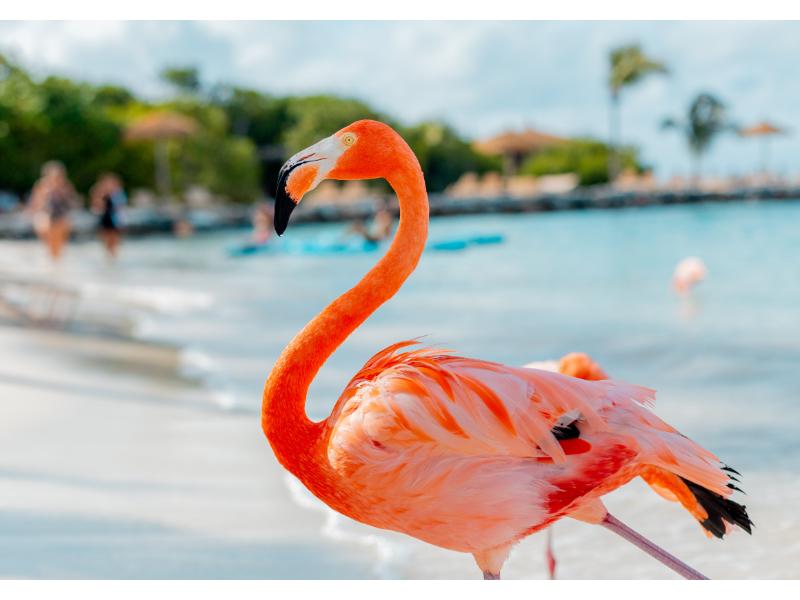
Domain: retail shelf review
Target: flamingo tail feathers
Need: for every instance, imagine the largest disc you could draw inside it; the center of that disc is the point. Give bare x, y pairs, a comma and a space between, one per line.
722, 512
715, 513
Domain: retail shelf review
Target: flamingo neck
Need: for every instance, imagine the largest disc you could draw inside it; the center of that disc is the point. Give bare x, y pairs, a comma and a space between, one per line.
291, 433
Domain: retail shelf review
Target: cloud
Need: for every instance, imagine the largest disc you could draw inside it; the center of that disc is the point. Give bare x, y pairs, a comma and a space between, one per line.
479, 76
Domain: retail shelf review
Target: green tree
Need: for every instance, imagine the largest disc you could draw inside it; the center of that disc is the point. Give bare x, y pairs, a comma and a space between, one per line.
263, 119
185, 80
587, 158
53, 119
213, 158
443, 155
628, 65
706, 119
313, 117
22, 127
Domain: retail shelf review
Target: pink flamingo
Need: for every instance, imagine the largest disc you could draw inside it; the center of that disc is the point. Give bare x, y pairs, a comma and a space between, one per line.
574, 364
688, 273
462, 453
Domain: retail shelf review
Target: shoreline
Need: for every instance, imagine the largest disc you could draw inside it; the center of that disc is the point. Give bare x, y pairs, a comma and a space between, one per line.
120, 464
162, 220
116, 475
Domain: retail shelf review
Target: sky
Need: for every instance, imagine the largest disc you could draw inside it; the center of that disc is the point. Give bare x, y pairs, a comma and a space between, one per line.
482, 77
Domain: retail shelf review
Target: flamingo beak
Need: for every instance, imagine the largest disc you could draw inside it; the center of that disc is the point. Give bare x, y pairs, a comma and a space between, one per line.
301, 174
296, 178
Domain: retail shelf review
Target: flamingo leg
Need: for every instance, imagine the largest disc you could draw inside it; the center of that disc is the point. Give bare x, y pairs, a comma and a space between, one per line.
550, 557
681, 568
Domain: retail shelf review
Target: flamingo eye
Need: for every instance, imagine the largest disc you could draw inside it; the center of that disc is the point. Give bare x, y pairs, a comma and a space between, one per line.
348, 139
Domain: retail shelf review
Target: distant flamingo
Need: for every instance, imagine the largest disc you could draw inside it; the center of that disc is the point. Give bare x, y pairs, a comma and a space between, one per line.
464, 454
582, 366
688, 273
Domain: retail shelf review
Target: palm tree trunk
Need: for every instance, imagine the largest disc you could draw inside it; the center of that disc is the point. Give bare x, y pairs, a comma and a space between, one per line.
697, 169
162, 168
615, 137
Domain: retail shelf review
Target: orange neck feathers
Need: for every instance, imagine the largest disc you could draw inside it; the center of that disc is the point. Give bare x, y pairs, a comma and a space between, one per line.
290, 432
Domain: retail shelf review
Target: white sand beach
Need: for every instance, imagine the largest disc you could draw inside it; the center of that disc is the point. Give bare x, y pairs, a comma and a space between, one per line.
116, 461
126, 477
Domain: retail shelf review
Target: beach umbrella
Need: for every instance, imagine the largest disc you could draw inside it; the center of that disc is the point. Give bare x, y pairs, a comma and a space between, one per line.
160, 127
515, 146
763, 131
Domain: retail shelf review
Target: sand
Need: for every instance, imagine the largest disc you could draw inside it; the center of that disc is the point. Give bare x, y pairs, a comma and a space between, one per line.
106, 474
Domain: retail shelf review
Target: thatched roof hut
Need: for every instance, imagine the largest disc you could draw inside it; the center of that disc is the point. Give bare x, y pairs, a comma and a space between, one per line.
516, 146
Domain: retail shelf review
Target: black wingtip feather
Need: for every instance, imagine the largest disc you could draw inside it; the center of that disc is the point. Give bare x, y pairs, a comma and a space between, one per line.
733, 487
730, 470
720, 509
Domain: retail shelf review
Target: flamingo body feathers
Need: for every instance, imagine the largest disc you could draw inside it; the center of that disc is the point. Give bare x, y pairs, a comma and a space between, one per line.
465, 454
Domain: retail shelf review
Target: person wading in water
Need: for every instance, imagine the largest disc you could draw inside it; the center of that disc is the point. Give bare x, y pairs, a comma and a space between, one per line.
52, 199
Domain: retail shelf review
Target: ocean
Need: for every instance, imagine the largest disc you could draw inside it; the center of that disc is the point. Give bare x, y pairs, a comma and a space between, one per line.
723, 361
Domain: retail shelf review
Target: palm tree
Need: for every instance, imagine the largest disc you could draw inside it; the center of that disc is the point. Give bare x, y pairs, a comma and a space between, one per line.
628, 65
706, 119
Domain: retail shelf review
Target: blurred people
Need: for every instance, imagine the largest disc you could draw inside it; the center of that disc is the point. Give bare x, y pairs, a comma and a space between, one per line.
380, 230
108, 196
52, 199
262, 224
183, 227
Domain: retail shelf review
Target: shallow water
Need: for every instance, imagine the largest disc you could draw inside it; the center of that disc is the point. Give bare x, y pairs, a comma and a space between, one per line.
724, 362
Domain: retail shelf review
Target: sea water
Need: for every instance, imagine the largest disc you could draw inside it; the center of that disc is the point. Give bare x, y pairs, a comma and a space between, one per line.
724, 361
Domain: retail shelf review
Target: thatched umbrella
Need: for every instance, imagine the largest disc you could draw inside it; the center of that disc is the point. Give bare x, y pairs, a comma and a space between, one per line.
764, 131
160, 127
516, 146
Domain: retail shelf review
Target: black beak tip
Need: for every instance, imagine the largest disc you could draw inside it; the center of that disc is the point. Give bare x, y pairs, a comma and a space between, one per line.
283, 209
284, 205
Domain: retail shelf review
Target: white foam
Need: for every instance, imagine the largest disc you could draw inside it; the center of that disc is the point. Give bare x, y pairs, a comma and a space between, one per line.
166, 300
390, 555
196, 363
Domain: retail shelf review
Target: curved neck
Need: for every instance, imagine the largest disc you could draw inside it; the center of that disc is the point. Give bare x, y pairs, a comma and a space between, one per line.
283, 417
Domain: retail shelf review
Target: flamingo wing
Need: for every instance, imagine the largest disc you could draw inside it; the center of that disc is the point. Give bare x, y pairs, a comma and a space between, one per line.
468, 454
404, 398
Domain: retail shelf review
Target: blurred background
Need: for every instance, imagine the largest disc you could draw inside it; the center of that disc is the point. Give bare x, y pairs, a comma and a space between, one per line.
572, 168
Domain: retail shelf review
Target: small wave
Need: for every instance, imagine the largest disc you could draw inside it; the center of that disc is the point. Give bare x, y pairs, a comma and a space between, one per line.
197, 364
166, 300
390, 555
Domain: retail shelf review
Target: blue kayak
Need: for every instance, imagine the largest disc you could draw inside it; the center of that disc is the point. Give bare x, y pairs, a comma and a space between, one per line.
354, 246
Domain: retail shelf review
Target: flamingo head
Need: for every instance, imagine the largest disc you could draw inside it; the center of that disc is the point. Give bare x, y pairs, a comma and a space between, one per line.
580, 365
362, 150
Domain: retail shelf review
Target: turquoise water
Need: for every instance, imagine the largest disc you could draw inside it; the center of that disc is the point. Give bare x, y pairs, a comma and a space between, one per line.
724, 362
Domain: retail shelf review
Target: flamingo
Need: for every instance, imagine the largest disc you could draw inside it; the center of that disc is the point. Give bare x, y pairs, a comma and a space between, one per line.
688, 273
574, 364
582, 366
465, 454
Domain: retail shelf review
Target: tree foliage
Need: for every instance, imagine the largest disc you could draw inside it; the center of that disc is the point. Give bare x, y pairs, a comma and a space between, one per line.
706, 119
628, 65
444, 156
185, 80
243, 135
587, 158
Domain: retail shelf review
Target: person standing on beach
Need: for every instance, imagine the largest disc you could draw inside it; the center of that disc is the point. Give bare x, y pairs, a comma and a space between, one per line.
52, 199
107, 197
262, 224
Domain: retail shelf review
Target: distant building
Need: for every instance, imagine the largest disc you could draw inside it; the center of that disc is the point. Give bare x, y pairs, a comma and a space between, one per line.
516, 147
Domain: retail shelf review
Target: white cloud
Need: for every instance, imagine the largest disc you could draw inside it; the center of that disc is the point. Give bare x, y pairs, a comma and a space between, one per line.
480, 76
